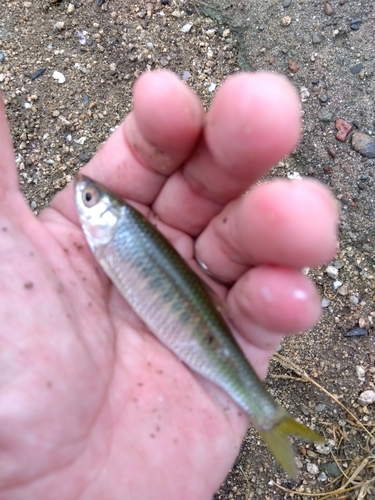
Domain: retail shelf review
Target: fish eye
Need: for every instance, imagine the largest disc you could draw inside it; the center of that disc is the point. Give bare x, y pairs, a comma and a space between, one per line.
90, 197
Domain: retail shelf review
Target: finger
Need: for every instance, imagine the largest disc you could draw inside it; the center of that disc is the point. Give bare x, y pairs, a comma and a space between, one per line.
8, 168
149, 145
288, 223
253, 122
269, 302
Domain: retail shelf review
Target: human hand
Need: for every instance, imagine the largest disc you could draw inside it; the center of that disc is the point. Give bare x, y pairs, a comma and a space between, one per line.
92, 406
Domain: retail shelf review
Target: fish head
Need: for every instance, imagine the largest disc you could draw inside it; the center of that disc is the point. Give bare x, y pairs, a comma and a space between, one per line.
98, 209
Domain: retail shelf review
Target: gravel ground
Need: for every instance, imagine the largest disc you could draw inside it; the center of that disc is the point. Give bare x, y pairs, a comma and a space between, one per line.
328, 52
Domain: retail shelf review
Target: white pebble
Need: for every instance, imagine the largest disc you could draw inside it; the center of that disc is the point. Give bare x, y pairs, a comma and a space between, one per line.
337, 284
58, 76
71, 8
60, 25
367, 397
81, 140
186, 28
332, 272
312, 469
325, 302
361, 372
212, 87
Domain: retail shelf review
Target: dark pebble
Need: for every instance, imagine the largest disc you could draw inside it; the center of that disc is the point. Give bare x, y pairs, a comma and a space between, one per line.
328, 9
328, 169
2, 57
38, 73
164, 2
324, 98
356, 332
315, 81
332, 152
356, 21
85, 157
357, 68
100, 2
364, 144
86, 98
354, 27
287, 3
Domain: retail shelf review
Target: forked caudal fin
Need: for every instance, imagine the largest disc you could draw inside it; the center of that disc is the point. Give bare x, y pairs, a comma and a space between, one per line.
277, 440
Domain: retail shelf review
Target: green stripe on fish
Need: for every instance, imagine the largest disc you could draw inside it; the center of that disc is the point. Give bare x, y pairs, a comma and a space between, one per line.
172, 301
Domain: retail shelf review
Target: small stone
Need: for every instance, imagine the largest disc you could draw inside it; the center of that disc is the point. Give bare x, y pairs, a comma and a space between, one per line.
286, 20
325, 115
304, 93
332, 272
164, 2
328, 169
364, 144
367, 397
176, 13
312, 469
186, 28
357, 68
341, 2
322, 478
337, 284
212, 87
331, 469
59, 26
58, 76
2, 58
356, 332
315, 81
324, 448
33, 205
286, 3
361, 372
343, 128
343, 290
70, 9
332, 152
354, 300
27, 5
316, 38
323, 98
186, 75
328, 9
354, 26
325, 303
112, 67
293, 66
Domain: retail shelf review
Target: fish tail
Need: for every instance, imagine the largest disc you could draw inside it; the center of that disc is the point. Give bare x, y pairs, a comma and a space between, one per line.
277, 439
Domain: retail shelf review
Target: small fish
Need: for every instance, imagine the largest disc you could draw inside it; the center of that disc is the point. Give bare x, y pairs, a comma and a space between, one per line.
172, 301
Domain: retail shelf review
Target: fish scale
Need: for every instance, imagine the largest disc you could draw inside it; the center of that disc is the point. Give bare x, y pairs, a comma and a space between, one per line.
177, 308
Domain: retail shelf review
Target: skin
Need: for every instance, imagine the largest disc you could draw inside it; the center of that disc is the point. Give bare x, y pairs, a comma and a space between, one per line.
91, 405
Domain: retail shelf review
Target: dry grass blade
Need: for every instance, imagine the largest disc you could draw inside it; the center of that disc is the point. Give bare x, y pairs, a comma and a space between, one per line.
351, 477
305, 377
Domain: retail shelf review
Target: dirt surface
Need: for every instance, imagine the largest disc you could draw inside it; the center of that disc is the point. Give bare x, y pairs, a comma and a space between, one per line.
328, 53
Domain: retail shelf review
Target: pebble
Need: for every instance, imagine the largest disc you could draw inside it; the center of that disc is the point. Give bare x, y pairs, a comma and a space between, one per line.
325, 303
332, 469
364, 144
343, 290
38, 73
325, 115
286, 3
2, 57
356, 332
293, 66
33, 205
286, 20
361, 372
338, 263
367, 397
312, 469
322, 478
186, 75
315, 81
316, 38
332, 272
59, 26
58, 76
328, 9
186, 28
323, 98
70, 9
324, 448
357, 68
337, 284
354, 300
332, 152
343, 128
212, 87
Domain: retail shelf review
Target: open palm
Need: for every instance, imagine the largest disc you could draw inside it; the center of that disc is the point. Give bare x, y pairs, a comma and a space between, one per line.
92, 406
